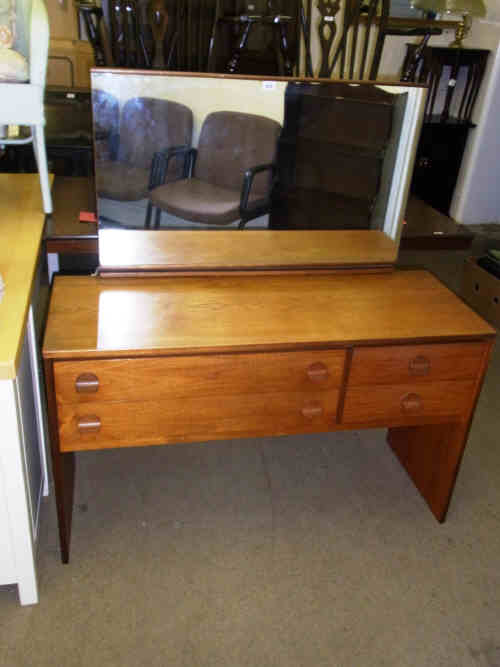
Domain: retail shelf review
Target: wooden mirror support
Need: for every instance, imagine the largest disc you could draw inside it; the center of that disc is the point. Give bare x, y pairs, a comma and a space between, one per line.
199, 253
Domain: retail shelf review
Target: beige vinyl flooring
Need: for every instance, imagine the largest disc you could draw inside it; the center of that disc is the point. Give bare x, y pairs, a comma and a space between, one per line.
310, 551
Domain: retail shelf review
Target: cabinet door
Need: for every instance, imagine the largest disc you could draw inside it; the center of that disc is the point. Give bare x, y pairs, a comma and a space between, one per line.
29, 432
439, 156
21, 472
7, 569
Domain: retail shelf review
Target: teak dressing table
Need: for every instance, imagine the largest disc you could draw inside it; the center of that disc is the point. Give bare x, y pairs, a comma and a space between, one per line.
298, 326
152, 360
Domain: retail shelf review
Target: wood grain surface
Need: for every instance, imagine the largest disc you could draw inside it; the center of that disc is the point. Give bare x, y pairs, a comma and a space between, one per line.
415, 363
22, 220
255, 77
196, 419
168, 378
221, 250
91, 317
72, 195
166, 360
399, 404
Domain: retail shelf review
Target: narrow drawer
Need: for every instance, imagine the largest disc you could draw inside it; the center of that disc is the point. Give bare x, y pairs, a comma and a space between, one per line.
213, 417
402, 403
415, 363
208, 376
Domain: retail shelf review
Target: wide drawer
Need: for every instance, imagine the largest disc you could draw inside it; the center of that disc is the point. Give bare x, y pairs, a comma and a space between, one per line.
156, 378
415, 363
212, 417
402, 403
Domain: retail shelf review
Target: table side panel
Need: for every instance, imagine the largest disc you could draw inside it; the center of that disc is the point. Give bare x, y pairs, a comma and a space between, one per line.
431, 454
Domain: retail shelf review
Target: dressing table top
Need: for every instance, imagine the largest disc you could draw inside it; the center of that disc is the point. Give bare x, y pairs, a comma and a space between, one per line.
96, 317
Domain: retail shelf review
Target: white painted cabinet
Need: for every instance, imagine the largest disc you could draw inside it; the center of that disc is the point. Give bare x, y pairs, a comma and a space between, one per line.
23, 469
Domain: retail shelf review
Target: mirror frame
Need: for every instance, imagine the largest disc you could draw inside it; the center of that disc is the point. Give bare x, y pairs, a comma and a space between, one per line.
193, 252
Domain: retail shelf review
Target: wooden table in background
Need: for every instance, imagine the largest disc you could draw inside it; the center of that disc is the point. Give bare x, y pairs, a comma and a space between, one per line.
64, 233
425, 228
428, 229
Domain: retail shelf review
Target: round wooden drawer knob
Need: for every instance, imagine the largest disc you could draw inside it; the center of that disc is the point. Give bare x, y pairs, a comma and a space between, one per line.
411, 403
87, 383
88, 424
312, 410
318, 372
419, 365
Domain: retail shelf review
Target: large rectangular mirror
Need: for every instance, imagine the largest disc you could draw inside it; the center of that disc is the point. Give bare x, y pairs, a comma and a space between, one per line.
177, 155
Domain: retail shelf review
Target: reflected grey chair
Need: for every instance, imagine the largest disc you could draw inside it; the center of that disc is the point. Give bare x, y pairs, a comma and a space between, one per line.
227, 178
106, 118
146, 124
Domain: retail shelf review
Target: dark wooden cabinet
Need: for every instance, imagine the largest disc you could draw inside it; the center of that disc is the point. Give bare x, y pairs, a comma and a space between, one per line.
454, 77
439, 157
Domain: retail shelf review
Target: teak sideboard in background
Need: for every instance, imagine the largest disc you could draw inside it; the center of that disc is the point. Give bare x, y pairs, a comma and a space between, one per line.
156, 360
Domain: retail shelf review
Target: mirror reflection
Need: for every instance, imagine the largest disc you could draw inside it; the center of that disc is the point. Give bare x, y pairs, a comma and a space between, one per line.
179, 152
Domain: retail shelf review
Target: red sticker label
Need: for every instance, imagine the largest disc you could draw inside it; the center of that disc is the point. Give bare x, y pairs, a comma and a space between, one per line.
87, 216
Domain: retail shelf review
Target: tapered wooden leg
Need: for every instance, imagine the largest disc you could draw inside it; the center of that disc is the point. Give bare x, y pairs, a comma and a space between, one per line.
431, 456
63, 469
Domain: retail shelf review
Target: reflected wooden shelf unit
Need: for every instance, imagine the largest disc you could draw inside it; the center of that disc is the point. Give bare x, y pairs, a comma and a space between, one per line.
149, 361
